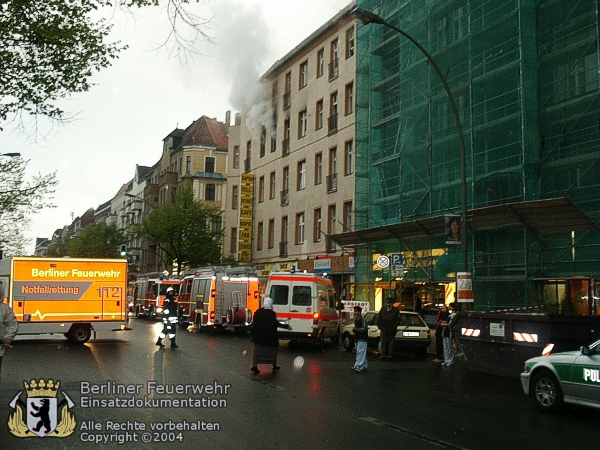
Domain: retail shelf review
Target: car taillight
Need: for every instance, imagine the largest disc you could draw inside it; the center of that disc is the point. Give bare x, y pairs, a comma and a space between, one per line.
428, 333
212, 315
316, 318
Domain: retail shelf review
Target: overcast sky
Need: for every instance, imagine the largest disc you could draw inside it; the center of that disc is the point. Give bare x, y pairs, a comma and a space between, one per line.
147, 93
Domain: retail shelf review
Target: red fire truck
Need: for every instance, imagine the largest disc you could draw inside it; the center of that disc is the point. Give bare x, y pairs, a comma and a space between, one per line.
150, 296
218, 298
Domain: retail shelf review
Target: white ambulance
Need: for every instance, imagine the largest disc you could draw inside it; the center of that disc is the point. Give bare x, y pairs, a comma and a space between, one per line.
307, 302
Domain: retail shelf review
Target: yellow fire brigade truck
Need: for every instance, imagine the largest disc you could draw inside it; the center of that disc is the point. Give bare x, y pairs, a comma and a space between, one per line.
70, 296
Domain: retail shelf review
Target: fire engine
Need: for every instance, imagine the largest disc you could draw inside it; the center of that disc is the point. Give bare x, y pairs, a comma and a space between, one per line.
150, 296
70, 296
218, 298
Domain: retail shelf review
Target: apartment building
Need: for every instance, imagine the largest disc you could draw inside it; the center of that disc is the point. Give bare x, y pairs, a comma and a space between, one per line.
524, 77
291, 180
196, 156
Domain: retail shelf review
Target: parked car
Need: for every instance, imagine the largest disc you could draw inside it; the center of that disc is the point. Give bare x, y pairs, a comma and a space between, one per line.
565, 377
413, 333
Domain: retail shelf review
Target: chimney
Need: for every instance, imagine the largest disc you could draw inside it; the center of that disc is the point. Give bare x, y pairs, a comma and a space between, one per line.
238, 119
227, 119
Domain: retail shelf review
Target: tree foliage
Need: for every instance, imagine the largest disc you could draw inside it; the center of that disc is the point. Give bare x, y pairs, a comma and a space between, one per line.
97, 241
19, 198
49, 49
184, 230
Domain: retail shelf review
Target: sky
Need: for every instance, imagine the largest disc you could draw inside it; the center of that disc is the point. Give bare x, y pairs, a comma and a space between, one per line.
149, 91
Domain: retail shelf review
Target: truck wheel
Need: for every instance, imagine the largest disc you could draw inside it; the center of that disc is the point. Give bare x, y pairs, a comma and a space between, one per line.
546, 392
229, 316
348, 342
80, 333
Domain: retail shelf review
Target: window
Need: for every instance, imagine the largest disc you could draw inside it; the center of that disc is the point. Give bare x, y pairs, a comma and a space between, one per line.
217, 224
286, 178
259, 236
209, 193
320, 63
234, 197
317, 225
300, 228
333, 58
263, 141
332, 160
349, 103
261, 189
319, 115
302, 117
234, 240
209, 164
347, 219
272, 186
188, 164
284, 229
236, 157
287, 96
318, 168
271, 236
348, 158
273, 144
303, 81
349, 42
301, 184
332, 124
330, 227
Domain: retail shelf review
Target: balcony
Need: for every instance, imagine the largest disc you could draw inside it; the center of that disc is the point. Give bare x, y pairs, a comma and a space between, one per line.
285, 147
332, 124
331, 182
334, 69
285, 197
287, 100
283, 252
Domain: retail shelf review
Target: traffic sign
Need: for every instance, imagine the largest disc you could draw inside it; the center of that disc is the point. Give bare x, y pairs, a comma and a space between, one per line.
383, 261
397, 259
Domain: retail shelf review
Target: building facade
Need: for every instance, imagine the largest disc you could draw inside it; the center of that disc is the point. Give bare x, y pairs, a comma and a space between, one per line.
291, 177
524, 77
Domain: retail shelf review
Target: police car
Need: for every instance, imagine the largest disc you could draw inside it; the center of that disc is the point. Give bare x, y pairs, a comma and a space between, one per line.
566, 377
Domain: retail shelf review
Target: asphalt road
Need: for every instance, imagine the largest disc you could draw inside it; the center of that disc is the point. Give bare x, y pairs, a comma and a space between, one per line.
314, 402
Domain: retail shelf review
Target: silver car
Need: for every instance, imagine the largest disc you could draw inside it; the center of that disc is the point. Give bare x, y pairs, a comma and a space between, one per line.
413, 333
566, 377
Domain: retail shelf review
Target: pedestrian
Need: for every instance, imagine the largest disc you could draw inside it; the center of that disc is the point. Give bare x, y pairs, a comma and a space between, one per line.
439, 339
388, 320
361, 335
447, 337
8, 328
169, 318
264, 335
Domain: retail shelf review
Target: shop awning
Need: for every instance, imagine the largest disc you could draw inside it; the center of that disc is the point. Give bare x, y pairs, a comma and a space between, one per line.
549, 216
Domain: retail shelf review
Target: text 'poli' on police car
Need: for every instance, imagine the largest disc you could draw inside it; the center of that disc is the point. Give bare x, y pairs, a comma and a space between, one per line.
566, 377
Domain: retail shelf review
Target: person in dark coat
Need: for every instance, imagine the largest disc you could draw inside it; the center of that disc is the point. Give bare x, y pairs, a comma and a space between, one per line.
264, 336
388, 320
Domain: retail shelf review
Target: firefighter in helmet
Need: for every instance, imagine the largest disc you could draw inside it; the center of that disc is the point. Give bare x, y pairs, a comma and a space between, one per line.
169, 319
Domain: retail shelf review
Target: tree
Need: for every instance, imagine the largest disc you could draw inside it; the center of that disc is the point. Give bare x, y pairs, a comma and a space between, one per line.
97, 241
49, 49
184, 230
19, 199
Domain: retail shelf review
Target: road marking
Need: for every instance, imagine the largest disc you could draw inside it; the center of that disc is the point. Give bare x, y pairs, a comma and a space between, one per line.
420, 436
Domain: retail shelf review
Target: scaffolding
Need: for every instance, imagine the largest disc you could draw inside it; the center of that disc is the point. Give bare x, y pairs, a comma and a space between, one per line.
524, 75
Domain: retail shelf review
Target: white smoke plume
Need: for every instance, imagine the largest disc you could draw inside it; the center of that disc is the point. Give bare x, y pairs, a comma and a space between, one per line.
242, 35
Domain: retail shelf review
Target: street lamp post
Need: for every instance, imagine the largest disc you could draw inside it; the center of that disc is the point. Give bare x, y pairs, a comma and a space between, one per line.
367, 17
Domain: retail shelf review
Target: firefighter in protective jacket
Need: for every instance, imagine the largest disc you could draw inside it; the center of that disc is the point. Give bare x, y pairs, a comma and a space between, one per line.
169, 319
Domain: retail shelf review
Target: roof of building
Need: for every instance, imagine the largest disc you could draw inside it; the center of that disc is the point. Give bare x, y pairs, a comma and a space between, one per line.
205, 132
